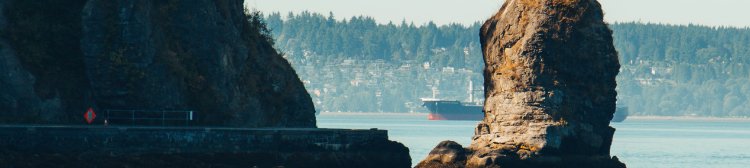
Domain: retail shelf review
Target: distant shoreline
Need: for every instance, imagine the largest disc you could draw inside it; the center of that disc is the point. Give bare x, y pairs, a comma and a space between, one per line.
679, 118
687, 118
374, 113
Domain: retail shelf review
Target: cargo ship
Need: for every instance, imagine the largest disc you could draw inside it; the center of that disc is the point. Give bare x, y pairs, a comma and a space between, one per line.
453, 109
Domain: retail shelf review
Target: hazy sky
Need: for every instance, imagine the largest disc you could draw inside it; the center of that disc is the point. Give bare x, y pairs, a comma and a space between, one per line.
704, 12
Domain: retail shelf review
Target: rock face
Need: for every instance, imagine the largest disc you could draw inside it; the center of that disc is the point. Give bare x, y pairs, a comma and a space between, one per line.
40, 67
447, 154
59, 57
550, 87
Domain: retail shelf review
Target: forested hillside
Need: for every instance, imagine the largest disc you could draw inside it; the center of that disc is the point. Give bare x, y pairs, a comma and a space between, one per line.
357, 64
684, 70
361, 38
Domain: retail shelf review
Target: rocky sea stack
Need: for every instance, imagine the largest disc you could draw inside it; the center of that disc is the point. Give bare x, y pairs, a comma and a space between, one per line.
550, 89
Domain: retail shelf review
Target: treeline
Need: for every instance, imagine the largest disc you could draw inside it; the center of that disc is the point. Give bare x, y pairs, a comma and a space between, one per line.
684, 70
666, 69
361, 38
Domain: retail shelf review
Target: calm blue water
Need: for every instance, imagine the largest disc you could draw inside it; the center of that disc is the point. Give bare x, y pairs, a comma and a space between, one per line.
638, 143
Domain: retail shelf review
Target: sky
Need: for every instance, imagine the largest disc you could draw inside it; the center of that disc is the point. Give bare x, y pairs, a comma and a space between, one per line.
734, 13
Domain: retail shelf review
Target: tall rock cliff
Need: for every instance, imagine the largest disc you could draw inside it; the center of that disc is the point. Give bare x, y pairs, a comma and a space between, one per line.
550, 87
59, 57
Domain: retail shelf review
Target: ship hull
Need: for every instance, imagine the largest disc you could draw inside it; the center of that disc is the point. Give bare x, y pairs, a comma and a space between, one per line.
453, 110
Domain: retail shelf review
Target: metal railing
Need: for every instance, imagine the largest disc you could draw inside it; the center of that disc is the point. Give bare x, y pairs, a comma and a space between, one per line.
149, 117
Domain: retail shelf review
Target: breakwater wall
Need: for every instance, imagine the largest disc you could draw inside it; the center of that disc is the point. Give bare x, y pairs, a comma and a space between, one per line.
160, 146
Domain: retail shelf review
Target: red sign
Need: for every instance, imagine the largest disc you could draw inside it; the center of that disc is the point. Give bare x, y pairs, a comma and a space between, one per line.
89, 115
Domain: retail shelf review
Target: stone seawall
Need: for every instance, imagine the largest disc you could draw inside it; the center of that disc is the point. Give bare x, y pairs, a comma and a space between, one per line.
198, 147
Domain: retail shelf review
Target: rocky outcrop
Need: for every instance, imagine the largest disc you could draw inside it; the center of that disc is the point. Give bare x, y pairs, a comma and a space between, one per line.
59, 57
447, 154
550, 87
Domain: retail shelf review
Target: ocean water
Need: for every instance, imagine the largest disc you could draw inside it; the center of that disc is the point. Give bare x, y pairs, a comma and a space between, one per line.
644, 143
